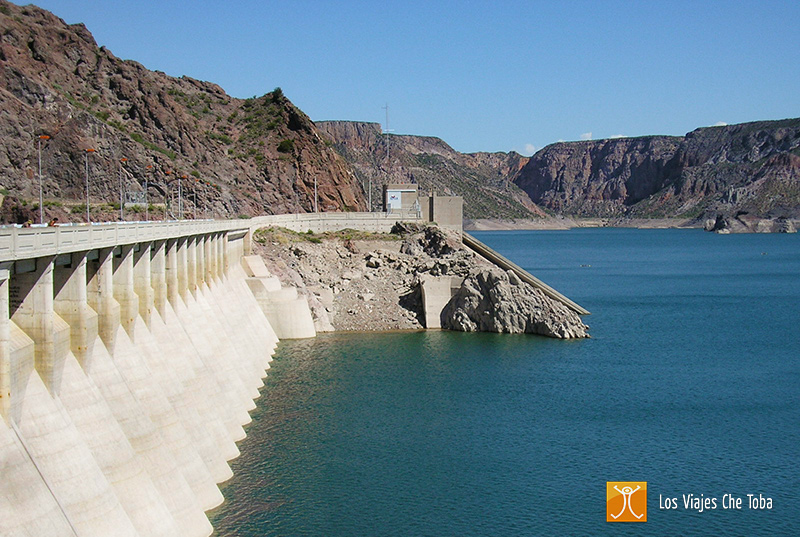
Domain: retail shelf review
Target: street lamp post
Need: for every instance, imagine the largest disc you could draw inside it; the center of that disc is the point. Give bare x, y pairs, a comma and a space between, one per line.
165, 195
180, 197
41, 198
86, 155
121, 198
146, 204
214, 213
205, 209
316, 197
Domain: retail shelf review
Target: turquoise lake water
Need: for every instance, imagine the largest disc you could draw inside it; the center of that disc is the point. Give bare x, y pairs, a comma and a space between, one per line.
691, 382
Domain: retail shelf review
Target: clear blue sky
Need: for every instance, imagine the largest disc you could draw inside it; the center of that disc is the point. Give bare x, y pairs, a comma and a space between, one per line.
482, 75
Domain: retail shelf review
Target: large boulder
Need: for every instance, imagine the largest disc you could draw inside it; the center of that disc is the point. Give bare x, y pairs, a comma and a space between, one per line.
489, 302
432, 240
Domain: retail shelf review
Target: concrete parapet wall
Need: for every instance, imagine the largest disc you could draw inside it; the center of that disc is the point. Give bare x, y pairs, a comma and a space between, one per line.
322, 222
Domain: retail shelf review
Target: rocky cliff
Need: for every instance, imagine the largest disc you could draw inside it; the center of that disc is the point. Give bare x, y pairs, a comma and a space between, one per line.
597, 178
482, 179
750, 168
251, 156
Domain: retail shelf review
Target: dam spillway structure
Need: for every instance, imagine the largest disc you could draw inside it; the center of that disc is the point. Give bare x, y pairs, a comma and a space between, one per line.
130, 357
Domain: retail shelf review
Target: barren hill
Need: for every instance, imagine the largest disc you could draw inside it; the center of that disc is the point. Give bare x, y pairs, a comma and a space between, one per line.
251, 156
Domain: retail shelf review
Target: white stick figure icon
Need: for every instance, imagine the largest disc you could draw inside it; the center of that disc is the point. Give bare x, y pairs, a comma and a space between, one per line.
626, 492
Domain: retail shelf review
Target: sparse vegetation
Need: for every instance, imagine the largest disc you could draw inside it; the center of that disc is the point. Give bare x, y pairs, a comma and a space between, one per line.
153, 147
286, 236
224, 138
286, 146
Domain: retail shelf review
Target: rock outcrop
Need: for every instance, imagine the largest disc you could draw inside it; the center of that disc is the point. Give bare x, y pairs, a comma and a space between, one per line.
490, 300
366, 282
745, 223
249, 156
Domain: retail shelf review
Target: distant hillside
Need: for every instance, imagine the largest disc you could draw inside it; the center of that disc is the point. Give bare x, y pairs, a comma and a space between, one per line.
483, 179
252, 156
749, 168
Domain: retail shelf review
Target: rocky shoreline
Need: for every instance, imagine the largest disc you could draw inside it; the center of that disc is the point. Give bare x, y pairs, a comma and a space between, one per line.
564, 222
746, 223
357, 281
718, 223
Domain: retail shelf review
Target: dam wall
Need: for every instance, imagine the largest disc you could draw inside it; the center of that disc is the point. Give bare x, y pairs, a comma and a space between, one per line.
130, 357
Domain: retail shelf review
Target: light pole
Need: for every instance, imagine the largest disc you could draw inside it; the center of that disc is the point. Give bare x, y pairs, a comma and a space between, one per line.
180, 197
205, 207
146, 204
214, 214
165, 195
316, 197
86, 155
121, 200
41, 199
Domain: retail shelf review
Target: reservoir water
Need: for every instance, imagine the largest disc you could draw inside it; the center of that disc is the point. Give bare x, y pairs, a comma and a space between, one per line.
690, 382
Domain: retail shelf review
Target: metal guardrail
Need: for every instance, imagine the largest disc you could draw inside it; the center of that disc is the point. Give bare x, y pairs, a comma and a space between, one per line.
505, 263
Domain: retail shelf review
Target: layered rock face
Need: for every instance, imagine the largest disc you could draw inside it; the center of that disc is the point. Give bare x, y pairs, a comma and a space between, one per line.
747, 168
751, 168
252, 156
597, 178
490, 300
482, 179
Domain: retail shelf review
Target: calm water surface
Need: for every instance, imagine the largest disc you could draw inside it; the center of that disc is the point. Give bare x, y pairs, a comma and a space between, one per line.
691, 382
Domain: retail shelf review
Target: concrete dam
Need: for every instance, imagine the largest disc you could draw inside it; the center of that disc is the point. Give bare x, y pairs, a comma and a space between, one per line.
130, 355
